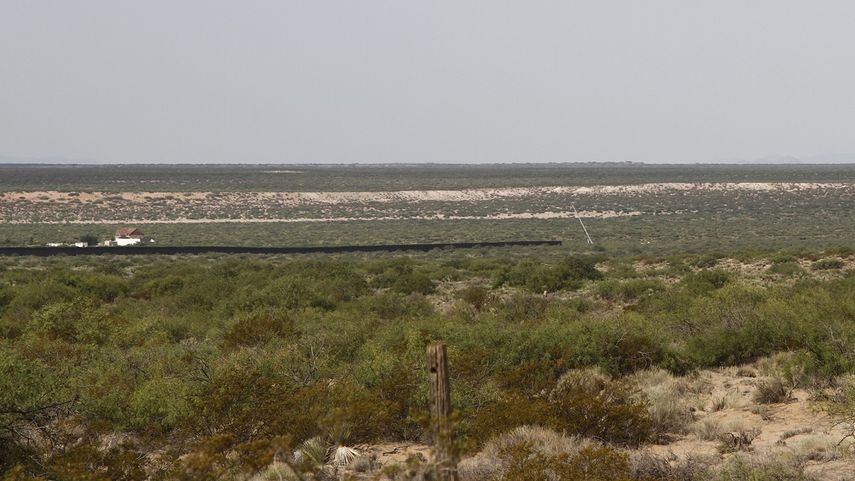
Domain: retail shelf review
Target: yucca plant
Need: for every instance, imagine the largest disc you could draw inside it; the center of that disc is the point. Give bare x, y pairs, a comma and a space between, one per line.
342, 456
312, 451
329, 451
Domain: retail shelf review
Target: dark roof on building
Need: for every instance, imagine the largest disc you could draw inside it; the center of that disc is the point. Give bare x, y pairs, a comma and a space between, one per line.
128, 232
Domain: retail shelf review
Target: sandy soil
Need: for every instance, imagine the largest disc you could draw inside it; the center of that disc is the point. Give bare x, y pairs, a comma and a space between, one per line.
464, 195
798, 428
254, 220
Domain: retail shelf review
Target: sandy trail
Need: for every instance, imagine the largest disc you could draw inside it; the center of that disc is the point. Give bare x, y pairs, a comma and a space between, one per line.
252, 220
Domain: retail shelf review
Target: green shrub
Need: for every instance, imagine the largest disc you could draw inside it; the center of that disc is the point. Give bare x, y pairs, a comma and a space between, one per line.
173, 352
37, 294
402, 277
476, 296
814, 369
6, 296
259, 327
87, 460
592, 405
510, 411
523, 307
705, 281
31, 394
787, 268
80, 320
160, 403
391, 305
827, 264
628, 290
223, 456
538, 277
707, 260
531, 378
734, 325
250, 396
583, 403
160, 286
590, 463
618, 344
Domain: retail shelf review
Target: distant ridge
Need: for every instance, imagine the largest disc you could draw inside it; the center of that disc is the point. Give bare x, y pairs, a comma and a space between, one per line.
827, 158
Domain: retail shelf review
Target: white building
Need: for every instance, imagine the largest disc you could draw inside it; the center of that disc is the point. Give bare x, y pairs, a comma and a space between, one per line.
128, 236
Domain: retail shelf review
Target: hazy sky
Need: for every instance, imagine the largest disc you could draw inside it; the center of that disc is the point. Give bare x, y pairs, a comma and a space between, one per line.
426, 81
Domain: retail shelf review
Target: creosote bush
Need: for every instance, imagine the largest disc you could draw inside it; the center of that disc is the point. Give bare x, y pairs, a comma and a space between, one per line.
259, 327
827, 264
591, 404
591, 463
184, 354
538, 277
584, 403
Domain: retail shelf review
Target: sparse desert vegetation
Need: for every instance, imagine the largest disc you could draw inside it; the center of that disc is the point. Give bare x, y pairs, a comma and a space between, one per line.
247, 367
631, 209
697, 339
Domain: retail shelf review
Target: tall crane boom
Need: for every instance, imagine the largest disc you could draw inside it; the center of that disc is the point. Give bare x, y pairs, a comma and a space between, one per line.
587, 236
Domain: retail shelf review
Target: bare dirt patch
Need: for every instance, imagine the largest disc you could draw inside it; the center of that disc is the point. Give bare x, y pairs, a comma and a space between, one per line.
796, 429
463, 195
600, 202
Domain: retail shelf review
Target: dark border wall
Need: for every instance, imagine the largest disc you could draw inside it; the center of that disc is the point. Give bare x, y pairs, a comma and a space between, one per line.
138, 250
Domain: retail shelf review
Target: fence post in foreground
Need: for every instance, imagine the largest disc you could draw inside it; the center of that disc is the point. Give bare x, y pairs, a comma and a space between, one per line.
440, 413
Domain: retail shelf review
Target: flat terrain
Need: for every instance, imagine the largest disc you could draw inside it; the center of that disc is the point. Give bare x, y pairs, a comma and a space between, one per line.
309, 178
629, 208
706, 335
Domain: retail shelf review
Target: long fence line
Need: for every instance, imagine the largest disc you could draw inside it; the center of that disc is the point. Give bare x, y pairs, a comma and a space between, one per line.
153, 250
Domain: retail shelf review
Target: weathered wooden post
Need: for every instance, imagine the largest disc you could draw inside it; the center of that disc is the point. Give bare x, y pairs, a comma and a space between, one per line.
440, 413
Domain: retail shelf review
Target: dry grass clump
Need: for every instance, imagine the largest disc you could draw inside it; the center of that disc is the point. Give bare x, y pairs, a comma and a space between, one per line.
795, 370
773, 365
543, 440
593, 462
493, 459
843, 392
818, 449
648, 466
760, 467
794, 432
737, 438
364, 464
708, 429
718, 404
414, 468
771, 391
724, 401
740, 466
733, 436
587, 380
763, 411
669, 400
276, 471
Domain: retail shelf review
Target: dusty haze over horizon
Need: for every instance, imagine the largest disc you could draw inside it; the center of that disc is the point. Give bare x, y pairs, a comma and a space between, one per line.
412, 82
